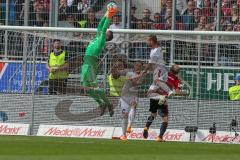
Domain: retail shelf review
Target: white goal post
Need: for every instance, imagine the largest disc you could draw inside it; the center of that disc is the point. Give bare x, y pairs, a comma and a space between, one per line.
195, 51
124, 31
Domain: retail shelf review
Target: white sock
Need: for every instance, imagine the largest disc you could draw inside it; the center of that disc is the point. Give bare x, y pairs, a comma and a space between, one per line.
131, 116
124, 125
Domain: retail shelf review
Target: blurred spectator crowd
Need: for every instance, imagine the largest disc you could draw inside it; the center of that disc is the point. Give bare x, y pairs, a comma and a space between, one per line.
199, 15
189, 14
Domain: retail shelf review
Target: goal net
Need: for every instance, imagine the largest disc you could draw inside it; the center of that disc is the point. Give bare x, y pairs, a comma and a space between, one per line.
209, 65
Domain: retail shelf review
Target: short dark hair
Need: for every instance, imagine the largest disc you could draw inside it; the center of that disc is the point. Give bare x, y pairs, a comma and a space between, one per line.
153, 38
111, 37
134, 7
157, 14
90, 11
118, 15
147, 10
140, 62
70, 15
56, 40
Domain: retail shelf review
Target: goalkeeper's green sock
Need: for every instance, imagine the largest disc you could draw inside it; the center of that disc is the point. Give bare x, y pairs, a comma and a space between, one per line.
105, 100
92, 93
102, 95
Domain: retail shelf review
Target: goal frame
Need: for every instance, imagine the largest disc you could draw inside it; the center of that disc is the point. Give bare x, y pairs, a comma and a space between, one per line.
129, 31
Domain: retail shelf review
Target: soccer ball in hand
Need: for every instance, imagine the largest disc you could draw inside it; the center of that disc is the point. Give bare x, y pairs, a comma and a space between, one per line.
112, 7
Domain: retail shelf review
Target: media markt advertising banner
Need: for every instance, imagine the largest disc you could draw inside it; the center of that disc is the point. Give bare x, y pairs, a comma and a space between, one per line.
11, 75
214, 82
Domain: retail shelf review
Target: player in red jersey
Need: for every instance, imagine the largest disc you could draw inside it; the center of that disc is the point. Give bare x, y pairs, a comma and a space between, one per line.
155, 94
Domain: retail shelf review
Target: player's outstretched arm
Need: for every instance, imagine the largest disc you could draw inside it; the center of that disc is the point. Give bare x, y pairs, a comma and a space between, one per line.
105, 26
100, 25
111, 11
147, 68
137, 79
180, 93
105, 21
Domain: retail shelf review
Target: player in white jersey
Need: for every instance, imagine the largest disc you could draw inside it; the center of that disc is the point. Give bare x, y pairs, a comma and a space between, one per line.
129, 98
160, 72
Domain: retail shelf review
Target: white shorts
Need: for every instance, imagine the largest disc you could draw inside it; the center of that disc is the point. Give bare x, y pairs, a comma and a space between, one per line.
127, 102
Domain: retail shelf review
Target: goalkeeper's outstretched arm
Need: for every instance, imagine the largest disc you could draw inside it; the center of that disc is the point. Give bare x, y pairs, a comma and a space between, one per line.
100, 25
105, 21
96, 46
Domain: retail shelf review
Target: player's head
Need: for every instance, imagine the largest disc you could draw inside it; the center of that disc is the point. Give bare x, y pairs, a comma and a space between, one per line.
137, 66
237, 79
120, 64
91, 15
56, 44
152, 40
146, 13
109, 35
175, 69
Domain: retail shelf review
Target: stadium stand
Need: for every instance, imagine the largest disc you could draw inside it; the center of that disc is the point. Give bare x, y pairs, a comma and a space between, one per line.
190, 15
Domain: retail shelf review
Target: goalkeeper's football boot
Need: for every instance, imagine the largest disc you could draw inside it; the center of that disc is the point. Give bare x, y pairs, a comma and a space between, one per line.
145, 133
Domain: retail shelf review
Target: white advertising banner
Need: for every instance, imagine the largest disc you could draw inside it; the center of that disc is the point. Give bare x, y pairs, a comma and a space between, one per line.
170, 134
115, 133
219, 137
75, 131
14, 129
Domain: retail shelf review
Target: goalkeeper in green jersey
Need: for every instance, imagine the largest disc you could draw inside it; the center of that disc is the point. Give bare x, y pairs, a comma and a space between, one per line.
89, 68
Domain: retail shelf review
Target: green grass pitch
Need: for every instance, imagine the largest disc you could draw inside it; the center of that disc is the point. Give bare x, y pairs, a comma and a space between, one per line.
46, 148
